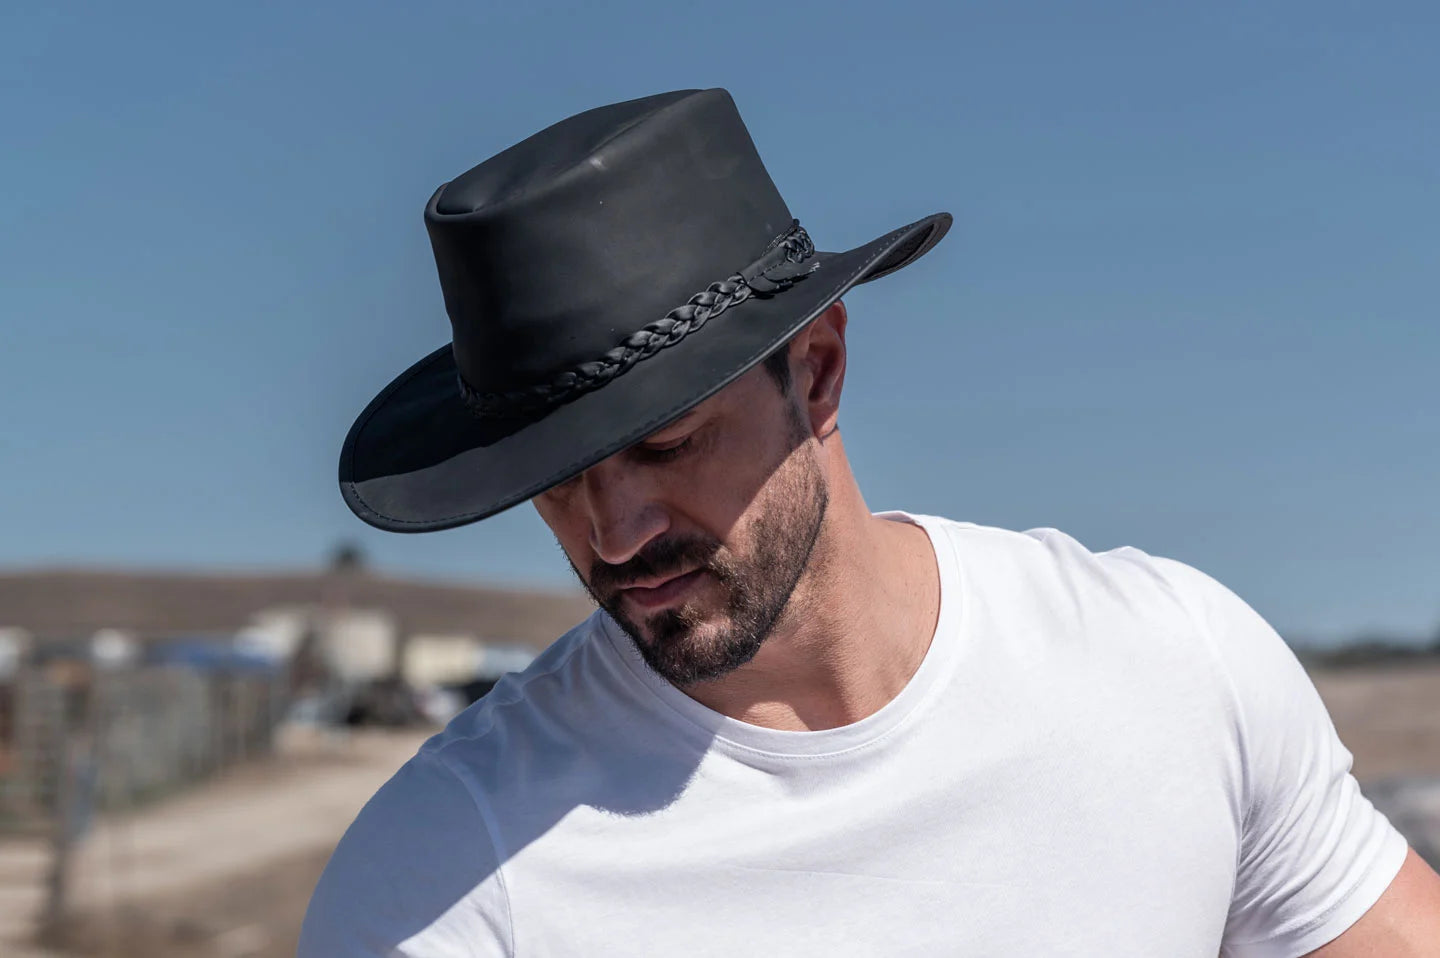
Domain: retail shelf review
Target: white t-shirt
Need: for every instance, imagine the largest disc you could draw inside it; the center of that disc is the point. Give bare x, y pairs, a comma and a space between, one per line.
1100, 755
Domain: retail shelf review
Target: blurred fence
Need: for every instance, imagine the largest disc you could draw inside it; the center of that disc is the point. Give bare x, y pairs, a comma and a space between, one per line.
106, 740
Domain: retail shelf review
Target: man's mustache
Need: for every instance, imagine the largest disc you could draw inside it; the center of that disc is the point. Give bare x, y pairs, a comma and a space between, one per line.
660, 559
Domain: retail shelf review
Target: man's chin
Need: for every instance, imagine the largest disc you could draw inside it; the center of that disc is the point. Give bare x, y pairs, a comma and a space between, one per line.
682, 627
702, 653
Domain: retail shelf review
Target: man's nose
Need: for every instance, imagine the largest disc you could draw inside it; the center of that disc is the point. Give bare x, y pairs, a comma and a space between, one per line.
624, 515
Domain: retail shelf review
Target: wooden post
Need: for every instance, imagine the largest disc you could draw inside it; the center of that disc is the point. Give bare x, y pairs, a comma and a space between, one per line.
74, 806
57, 886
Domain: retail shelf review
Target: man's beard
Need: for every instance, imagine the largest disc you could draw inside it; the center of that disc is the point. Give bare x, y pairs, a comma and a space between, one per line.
685, 645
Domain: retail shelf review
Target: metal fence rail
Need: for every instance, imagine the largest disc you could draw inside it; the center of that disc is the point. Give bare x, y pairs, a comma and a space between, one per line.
80, 741
126, 737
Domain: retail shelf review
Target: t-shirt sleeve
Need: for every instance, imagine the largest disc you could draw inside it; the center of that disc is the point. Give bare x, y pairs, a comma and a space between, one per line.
415, 875
1314, 853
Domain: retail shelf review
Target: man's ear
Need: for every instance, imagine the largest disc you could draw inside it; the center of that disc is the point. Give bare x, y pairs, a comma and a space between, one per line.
818, 359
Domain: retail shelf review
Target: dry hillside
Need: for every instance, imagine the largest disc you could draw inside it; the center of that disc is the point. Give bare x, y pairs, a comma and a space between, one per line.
64, 603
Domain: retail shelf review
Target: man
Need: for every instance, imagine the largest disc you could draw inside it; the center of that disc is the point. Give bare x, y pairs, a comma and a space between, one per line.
794, 727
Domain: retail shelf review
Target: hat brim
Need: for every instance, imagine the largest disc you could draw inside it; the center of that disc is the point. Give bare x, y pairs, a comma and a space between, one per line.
417, 459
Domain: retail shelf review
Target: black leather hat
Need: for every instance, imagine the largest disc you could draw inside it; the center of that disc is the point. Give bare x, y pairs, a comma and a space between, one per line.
602, 277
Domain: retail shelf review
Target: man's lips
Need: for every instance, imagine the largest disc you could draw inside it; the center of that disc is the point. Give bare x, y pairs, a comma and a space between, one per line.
662, 592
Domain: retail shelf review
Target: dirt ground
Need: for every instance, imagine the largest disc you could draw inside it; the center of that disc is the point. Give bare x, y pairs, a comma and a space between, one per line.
267, 830
1388, 716
222, 871
256, 914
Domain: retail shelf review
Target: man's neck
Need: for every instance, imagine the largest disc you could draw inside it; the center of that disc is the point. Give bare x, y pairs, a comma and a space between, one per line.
856, 629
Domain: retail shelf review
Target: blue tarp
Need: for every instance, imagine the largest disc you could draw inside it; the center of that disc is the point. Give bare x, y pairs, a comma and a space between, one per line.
210, 657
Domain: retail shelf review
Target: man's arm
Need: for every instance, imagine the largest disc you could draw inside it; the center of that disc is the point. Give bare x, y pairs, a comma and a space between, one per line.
1316, 859
1404, 923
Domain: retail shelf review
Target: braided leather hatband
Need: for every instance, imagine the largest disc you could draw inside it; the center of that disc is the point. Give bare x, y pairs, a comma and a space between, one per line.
784, 262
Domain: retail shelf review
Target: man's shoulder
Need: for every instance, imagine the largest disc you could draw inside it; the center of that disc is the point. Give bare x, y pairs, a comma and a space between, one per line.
522, 703
1045, 549
1045, 564
416, 868
420, 866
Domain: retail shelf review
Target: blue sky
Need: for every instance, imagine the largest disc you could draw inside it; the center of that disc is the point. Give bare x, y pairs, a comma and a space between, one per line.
1189, 303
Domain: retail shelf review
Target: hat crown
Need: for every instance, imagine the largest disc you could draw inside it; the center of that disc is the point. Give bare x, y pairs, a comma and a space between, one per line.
551, 252
537, 160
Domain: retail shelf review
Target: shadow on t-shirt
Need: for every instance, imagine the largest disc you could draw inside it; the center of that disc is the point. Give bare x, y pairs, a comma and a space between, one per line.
574, 739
